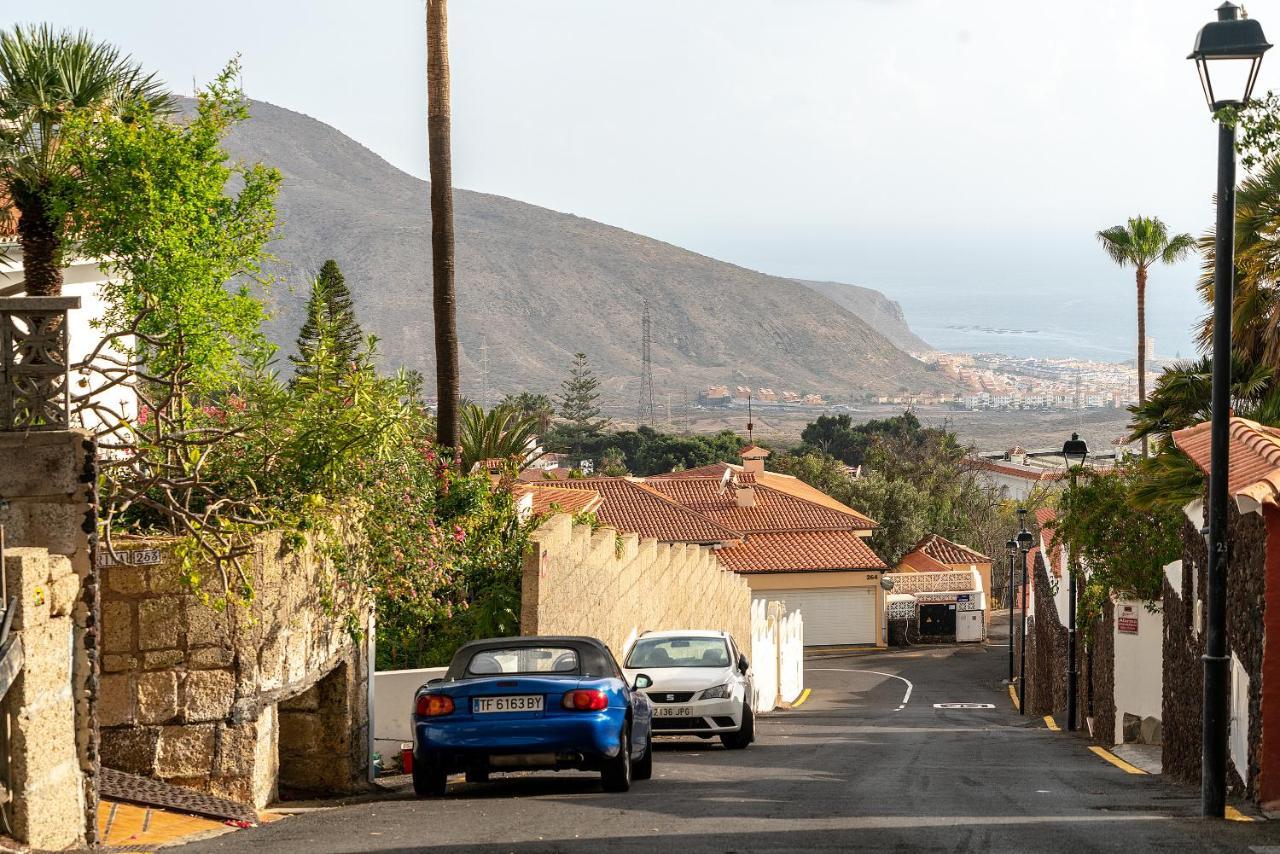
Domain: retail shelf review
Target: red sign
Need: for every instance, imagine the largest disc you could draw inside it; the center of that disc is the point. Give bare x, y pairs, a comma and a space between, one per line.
1127, 620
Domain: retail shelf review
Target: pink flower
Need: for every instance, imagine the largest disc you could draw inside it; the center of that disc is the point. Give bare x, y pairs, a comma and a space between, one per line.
458, 533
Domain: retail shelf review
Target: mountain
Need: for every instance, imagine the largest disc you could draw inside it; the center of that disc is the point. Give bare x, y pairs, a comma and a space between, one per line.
536, 286
883, 314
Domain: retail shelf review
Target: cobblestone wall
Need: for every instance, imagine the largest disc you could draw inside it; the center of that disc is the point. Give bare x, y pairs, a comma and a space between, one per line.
1184, 644
224, 700
583, 582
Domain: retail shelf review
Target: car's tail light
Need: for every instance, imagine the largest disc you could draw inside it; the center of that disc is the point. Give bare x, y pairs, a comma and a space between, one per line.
433, 705
586, 701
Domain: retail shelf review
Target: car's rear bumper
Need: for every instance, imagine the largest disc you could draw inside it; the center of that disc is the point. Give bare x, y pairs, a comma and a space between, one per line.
576, 740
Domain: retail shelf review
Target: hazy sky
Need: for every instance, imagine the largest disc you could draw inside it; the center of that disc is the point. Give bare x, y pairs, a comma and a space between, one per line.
956, 152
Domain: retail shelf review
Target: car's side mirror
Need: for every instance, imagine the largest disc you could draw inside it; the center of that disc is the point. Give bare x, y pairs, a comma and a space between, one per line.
431, 682
743, 664
643, 682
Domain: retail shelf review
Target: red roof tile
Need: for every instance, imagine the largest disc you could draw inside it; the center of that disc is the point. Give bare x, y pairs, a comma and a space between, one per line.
946, 552
774, 510
711, 470
557, 499
801, 551
534, 475
1253, 457
631, 507
1028, 473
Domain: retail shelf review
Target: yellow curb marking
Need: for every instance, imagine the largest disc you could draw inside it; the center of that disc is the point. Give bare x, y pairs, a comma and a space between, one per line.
1051, 723
804, 695
1233, 814
1013, 695
1116, 760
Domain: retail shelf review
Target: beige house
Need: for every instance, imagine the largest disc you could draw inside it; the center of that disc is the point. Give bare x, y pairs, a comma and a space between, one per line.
791, 542
936, 553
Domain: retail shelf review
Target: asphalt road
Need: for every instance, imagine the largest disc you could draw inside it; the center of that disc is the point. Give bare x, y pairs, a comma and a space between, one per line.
860, 766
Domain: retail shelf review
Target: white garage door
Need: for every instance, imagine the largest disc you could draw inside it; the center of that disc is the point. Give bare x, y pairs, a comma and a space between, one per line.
832, 615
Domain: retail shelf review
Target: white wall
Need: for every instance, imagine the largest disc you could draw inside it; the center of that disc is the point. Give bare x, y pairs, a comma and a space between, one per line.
393, 692
1139, 669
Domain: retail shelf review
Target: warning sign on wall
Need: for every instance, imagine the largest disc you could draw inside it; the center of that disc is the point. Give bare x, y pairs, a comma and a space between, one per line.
1127, 619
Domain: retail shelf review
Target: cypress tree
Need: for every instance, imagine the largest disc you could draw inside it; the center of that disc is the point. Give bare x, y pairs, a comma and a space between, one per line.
331, 317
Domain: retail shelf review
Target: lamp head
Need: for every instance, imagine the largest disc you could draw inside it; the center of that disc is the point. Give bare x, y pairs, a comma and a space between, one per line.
1075, 451
1228, 53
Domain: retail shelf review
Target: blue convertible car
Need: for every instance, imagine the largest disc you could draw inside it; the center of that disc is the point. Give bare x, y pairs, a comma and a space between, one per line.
525, 703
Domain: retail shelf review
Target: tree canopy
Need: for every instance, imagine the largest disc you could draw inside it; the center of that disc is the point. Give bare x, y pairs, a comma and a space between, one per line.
331, 322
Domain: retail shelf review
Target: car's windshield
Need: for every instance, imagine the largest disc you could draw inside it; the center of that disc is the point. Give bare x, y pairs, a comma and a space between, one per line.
523, 659
679, 652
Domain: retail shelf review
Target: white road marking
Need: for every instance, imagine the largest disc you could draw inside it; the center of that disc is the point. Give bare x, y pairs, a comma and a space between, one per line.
905, 697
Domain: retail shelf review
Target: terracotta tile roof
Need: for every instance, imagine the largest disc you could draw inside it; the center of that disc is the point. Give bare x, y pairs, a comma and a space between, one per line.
796, 487
782, 482
632, 507
775, 510
1253, 460
557, 499
753, 452
800, 551
713, 470
1027, 472
1045, 516
944, 551
532, 475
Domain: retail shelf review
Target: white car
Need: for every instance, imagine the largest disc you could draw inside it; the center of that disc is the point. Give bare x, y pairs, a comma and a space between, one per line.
702, 684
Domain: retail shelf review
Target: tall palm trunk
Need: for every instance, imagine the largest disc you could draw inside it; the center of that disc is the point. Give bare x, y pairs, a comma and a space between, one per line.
444, 300
41, 245
1141, 275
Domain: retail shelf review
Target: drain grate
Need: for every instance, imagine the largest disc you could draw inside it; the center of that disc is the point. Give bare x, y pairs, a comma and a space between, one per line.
133, 789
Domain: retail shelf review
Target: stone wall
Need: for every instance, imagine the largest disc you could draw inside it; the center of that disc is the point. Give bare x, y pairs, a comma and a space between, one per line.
239, 701
1184, 644
582, 582
1101, 682
48, 811
48, 500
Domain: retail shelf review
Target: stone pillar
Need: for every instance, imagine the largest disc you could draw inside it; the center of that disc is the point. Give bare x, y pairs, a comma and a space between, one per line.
48, 486
48, 809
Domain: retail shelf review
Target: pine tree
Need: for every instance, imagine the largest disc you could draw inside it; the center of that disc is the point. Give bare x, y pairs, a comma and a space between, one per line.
578, 404
331, 322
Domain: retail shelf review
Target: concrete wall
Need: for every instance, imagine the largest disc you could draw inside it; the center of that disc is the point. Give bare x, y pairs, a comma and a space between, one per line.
583, 582
48, 486
1138, 668
230, 701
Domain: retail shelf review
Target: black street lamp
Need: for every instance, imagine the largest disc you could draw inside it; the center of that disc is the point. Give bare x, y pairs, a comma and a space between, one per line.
1025, 539
1074, 453
1227, 53
1011, 550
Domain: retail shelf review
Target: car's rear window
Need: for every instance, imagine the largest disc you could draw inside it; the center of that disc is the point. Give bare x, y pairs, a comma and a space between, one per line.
523, 659
679, 652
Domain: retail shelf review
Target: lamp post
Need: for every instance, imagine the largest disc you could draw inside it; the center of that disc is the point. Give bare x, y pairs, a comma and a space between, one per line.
1025, 539
1074, 453
1011, 550
1228, 53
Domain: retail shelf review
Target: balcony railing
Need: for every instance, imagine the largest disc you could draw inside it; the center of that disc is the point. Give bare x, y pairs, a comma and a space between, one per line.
34, 389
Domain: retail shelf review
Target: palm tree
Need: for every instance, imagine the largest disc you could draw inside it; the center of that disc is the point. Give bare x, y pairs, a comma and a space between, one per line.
501, 433
444, 296
45, 75
1141, 243
1255, 317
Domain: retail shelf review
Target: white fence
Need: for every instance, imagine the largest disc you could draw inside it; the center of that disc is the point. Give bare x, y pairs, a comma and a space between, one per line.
777, 654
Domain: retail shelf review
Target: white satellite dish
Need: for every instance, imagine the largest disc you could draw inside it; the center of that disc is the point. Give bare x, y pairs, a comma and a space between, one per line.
724, 481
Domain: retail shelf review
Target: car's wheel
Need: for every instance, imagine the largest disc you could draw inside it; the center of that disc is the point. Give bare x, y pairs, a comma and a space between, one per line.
642, 768
477, 775
616, 775
429, 779
745, 734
